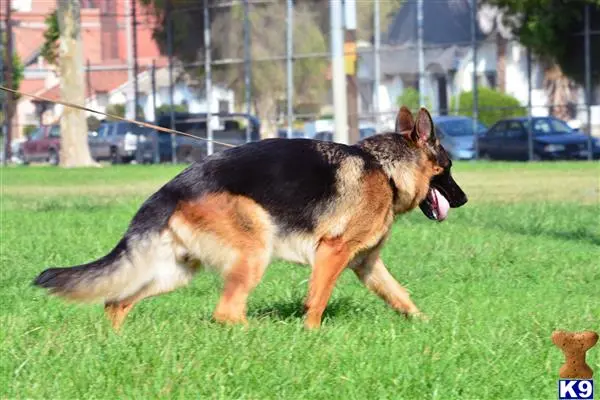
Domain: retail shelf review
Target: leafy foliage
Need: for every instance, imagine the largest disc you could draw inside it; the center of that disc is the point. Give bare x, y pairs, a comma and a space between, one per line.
492, 105
268, 78
93, 123
17, 77
551, 27
410, 99
49, 49
166, 108
28, 130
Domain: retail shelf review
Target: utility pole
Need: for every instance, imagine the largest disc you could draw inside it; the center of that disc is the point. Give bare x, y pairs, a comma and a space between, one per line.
475, 88
290, 66
247, 67
208, 79
153, 77
338, 75
588, 80
135, 59
2, 96
9, 83
377, 62
421, 53
130, 106
350, 64
171, 83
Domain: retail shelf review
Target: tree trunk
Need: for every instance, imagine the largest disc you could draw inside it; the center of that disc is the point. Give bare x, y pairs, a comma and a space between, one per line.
74, 148
561, 92
501, 45
265, 108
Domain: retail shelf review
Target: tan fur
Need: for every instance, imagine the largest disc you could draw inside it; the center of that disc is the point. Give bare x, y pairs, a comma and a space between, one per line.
235, 236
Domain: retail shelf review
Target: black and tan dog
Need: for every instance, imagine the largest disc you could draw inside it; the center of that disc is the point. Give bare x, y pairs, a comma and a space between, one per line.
327, 205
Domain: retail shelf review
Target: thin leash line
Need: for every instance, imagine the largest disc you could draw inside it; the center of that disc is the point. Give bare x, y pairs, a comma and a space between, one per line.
147, 125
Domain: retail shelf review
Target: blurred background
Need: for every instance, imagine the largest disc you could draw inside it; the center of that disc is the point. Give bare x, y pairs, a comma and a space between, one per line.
239, 71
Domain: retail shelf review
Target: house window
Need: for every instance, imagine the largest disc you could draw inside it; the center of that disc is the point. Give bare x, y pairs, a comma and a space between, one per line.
223, 106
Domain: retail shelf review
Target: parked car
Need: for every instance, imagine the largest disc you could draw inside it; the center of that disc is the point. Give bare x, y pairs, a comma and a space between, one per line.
553, 139
296, 134
120, 141
363, 132
231, 130
456, 135
43, 145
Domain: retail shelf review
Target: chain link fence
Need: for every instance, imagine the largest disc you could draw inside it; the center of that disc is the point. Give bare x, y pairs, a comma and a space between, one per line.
240, 71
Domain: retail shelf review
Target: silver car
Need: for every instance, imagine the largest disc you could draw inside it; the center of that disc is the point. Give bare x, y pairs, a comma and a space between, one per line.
456, 135
121, 142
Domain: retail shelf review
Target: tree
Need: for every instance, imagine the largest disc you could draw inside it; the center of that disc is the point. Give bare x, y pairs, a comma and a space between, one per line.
74, 148
17, 76
49, 50
268, 77
550, 27
491, 22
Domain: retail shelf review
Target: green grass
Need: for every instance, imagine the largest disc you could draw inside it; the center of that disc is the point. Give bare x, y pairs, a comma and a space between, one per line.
517, 262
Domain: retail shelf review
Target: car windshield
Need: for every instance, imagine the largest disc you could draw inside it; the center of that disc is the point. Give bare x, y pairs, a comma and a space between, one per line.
548, 126
460, 127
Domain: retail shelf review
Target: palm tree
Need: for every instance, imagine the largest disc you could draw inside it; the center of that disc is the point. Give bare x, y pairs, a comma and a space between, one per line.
561, 91
491, 22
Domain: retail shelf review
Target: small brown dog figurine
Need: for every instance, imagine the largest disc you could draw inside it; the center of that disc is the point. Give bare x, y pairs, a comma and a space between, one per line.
574, 345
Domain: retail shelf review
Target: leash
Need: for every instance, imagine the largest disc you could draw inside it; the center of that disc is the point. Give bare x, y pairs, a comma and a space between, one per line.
147, 125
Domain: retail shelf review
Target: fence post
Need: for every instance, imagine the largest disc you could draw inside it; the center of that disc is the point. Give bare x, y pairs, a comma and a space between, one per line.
170, 55
247, 66
475, 85
376, 62
155, 145
3, 105
529, 117
338, 75
208, 78
290, 67
420, 53
588, 80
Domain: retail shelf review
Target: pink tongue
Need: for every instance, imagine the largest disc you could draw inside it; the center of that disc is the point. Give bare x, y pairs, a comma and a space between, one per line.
442, 205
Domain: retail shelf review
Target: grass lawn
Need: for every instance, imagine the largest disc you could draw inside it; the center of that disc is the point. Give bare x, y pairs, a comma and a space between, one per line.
517, 262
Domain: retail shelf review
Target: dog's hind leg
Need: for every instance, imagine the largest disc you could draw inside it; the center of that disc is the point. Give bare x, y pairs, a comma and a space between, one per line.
375, 276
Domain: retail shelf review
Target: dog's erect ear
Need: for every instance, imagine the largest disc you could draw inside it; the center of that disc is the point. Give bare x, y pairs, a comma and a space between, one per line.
423, 129
404, 120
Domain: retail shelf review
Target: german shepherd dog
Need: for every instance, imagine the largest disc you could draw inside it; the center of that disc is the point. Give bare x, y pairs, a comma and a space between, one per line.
324, 204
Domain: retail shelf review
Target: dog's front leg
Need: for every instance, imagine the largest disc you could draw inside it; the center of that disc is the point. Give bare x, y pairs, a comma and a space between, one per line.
331, 258
375, 276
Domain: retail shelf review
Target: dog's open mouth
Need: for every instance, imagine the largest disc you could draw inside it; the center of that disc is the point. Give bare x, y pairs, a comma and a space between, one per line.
435, 206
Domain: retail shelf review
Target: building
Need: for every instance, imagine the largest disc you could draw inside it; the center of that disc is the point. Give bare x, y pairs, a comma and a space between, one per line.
105, 51
448, 61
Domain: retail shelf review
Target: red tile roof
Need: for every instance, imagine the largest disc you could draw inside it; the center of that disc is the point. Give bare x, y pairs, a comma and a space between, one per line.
97, 81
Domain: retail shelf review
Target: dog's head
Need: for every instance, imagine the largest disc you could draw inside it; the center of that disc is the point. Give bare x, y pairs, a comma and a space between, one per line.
441, 191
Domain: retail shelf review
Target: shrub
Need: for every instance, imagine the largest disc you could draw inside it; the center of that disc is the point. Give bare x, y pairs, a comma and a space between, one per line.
410, 99
93, 123
166, 109
492, 105
28, 130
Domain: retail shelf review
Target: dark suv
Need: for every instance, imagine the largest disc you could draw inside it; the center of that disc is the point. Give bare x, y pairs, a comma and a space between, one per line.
121, 142
553, 139
231, 130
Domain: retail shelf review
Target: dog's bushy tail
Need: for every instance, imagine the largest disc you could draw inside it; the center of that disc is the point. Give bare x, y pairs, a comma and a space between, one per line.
127, 267
98, 280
